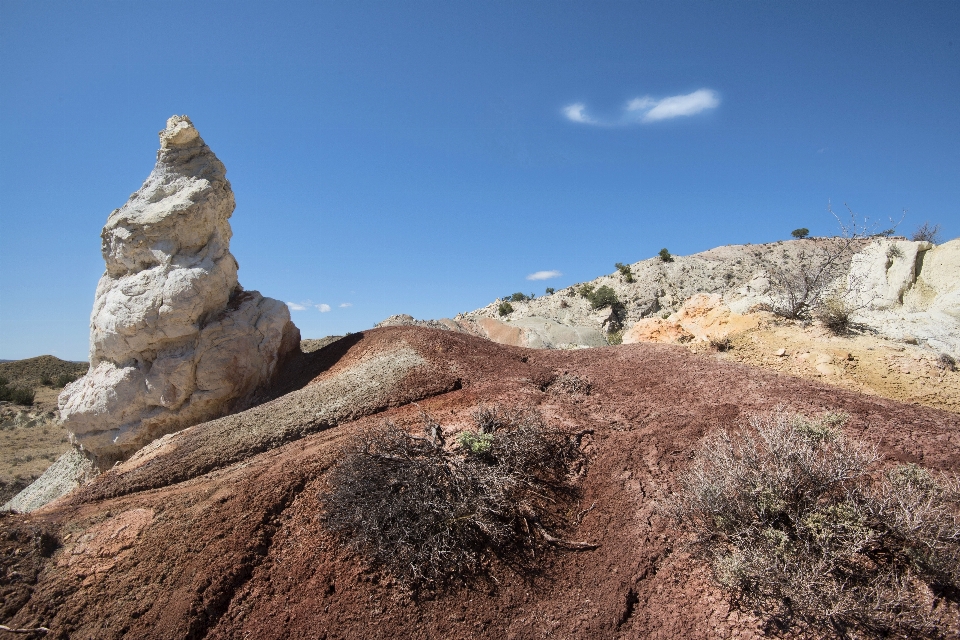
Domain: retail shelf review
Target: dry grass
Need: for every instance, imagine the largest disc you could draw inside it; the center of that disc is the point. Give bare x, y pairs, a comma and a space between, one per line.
802, 529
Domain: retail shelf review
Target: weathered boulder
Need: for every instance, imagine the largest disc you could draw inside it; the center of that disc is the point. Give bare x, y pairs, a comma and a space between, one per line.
174, 338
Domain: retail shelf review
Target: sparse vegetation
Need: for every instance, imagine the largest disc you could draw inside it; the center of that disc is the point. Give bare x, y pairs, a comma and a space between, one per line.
800, 233
42, 370
16, 395
665, 255
625, 271
520, 297
946, 361
799, 288
505, 308
550, 291
927, 233
435, 516
615, 337
835, 314
604, 296
801, 528
64, 379
721, 344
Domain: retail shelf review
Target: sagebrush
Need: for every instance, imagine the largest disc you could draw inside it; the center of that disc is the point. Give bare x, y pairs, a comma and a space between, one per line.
805, 530
435, 514
16, 395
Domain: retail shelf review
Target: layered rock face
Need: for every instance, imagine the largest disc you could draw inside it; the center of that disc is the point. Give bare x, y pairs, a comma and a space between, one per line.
174, 338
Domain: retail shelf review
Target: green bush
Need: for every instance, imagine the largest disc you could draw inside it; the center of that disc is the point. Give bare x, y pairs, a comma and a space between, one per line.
604, 297
505, 308
601, 297
64, 379
46, 380
550, 291
16, 395
665, 255
800, 233
802, 529
520, 297
475, 443
434, 517
625, 271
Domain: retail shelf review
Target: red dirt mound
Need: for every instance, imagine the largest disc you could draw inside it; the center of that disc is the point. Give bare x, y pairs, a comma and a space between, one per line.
215, 533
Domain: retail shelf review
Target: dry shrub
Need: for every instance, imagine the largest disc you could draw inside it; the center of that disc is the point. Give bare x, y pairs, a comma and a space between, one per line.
570, 384
836, 313
721, 343
947, 362
926, 233
435, 515
802, 530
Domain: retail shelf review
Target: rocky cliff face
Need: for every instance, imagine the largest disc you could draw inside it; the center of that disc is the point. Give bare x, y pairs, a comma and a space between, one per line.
174, 338
899, 289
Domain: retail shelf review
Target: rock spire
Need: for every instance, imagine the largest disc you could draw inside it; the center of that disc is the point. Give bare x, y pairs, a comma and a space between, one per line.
174, 338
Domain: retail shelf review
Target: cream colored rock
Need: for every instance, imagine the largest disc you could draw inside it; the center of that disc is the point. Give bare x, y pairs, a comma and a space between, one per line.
882, 273
911, 294
702, 318
539, 333
174, 338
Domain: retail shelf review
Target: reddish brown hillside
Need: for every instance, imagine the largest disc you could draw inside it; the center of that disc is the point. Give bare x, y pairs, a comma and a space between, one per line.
215, 533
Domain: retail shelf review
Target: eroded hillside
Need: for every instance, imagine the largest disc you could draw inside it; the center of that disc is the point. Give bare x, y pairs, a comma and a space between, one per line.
215, 531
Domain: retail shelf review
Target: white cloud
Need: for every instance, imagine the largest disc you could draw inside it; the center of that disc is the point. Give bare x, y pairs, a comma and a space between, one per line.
344, 305
677, 106
647, 109
323, 307
578, 113
544, 275
296, 307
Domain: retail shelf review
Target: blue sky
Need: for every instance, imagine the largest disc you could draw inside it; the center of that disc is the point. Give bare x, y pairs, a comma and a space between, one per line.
427, 157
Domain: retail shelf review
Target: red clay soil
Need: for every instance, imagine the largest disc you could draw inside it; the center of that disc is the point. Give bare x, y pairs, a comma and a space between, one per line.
231, 546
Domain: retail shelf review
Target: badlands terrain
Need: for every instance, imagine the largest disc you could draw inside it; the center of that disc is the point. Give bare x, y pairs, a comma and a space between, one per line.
195, 460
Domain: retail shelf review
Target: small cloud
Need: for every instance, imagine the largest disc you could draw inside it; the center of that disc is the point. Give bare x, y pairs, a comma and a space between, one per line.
677, 106
578, 113
296, 307
344, 305
647, 109
323, 307
544, 275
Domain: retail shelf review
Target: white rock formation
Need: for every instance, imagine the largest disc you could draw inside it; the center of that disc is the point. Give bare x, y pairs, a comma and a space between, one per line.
911, 291
174, 338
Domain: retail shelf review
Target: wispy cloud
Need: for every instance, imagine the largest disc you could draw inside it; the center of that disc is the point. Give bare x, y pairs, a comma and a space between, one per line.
323, 307
344, 305
647, 109
295, 306
544, 275
578, 113
674, 106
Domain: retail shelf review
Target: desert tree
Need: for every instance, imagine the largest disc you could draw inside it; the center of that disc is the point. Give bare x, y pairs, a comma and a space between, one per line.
814, 281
